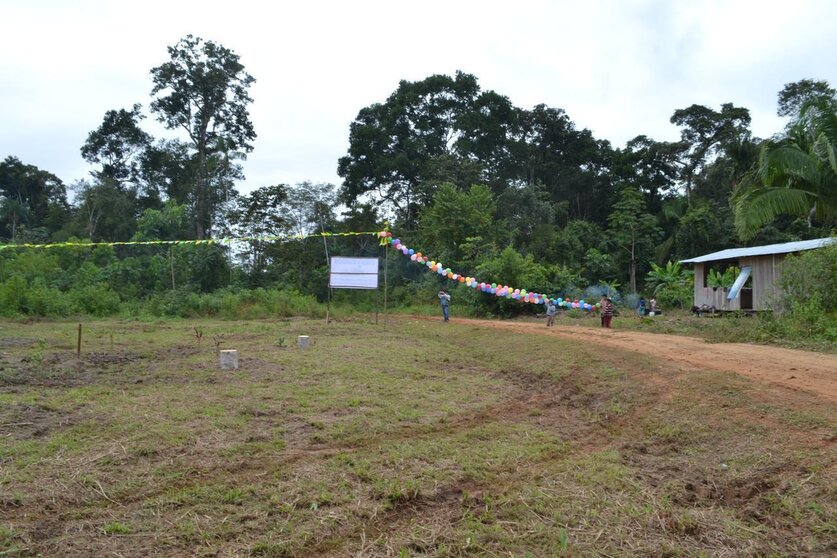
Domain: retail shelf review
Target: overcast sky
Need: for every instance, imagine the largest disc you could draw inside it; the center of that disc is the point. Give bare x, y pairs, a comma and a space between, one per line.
619, 68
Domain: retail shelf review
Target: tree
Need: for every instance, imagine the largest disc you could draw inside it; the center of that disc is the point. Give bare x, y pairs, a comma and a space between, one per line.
795, 175
648, 165
705, 132
571, 164
117, 144
203, 91
633, 230
426, 133
794, 96
105, 211
456, 218
31, 196
310, 207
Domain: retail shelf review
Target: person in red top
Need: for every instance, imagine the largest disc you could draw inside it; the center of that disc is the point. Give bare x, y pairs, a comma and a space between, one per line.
607, 311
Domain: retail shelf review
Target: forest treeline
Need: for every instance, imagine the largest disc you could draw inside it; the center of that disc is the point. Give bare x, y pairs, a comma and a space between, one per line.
520, 196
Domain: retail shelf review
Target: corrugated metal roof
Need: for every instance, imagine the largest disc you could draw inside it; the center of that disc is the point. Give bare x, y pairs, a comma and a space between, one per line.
784, 248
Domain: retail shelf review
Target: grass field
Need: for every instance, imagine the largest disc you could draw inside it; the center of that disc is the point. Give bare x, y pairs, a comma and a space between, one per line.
411, 438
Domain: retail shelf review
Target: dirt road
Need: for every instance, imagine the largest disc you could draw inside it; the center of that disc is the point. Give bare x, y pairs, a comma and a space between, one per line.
810, 372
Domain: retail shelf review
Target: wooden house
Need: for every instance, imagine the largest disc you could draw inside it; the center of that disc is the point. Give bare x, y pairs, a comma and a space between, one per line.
756, 282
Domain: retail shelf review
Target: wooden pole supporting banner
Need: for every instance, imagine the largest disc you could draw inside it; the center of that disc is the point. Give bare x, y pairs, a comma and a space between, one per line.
386, 270
78, 345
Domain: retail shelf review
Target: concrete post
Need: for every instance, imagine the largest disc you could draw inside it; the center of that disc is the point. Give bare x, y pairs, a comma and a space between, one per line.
303, 341
229, 360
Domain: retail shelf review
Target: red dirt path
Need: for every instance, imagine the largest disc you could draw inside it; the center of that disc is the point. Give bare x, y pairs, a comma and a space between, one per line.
814, 373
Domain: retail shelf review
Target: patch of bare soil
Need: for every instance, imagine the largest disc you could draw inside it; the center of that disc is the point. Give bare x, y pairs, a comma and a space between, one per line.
63, 369
814, 373
23, 421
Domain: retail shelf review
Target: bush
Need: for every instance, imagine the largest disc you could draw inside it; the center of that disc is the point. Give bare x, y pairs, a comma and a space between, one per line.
40, 300
12, 296
97, 300
806, 276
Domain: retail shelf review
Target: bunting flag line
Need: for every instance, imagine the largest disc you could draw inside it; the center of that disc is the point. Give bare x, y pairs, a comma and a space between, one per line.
498, 290
227, 240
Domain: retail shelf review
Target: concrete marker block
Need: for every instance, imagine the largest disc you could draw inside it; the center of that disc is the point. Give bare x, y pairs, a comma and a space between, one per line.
229, 359
303, 341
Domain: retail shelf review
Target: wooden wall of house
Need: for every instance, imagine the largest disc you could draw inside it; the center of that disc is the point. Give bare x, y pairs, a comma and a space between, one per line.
712, 297
765, 274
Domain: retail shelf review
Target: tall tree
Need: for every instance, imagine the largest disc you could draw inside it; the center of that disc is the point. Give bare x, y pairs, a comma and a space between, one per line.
398, 148
633, 230
650, 166
704, 134
118, 145
571, 164
203, 90
794, 96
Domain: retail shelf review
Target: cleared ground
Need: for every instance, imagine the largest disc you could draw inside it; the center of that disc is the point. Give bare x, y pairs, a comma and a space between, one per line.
411, 438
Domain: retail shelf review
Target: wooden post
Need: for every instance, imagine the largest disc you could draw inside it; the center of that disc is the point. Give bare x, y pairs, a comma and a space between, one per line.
386, 270
325, 247
171, 263
78, 345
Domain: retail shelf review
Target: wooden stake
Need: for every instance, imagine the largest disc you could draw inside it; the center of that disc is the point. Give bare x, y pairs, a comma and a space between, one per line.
171, 263
78, 345
386, 269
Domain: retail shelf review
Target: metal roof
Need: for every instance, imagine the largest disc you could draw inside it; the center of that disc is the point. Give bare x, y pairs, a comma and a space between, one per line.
784, 248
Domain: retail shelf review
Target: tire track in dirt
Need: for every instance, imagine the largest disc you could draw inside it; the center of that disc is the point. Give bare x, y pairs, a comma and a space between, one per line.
814, 373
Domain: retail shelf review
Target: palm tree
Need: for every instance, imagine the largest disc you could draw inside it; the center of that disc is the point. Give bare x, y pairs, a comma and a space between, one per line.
795, 174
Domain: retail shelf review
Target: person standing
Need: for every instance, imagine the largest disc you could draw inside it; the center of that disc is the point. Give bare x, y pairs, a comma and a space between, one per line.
640, 307
550, 313
607, 311
444, 300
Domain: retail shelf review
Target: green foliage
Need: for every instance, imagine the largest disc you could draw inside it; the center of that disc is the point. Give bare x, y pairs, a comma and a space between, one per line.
722, 279
796, 174
203, 90
672, 285
96, 300
456, 217
808, 276
633, 231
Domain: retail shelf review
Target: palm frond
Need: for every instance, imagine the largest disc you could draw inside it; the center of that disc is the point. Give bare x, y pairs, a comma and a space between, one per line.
755, 207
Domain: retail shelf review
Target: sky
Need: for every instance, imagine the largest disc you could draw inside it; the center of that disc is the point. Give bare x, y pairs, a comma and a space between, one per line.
619, 68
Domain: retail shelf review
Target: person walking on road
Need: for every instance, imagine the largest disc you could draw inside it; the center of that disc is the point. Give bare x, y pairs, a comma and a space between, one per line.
550, 313
607, 312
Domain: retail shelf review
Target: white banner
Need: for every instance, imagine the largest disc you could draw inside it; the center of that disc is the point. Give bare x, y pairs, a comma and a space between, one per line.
353, 273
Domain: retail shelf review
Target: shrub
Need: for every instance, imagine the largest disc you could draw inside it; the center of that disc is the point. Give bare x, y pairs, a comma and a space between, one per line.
98, 300
40, 300
808, 275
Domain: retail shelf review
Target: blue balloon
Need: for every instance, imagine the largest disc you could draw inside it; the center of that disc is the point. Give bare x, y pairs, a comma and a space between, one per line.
412, 251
